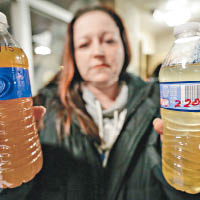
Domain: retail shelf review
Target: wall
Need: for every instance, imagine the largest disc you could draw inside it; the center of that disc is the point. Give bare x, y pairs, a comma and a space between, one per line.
163, 44
149, 47
131, 16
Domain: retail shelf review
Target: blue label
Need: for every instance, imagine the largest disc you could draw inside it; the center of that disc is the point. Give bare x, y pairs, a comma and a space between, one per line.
182, 96
14, 83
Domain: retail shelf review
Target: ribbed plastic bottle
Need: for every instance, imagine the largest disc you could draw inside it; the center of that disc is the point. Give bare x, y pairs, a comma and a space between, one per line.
180, 109
20, 149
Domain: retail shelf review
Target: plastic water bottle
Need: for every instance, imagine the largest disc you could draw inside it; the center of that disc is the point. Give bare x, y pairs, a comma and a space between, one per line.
20, 149
180, 110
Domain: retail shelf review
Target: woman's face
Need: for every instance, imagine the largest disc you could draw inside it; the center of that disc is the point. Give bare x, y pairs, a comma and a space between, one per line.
99, 51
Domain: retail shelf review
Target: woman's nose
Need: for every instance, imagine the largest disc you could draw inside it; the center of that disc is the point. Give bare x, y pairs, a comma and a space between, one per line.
97, 49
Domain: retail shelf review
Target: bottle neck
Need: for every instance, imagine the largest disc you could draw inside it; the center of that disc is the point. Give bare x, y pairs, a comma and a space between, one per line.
187, 34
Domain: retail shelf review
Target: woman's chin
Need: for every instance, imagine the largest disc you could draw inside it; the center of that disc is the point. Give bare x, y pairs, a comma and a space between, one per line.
100, 78
102, 82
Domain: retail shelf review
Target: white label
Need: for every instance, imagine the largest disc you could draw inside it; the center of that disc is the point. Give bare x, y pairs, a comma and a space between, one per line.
182, 96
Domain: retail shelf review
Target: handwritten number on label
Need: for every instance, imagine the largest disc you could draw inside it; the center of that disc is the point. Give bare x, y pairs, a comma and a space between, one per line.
188, 104
178, 103
196, 102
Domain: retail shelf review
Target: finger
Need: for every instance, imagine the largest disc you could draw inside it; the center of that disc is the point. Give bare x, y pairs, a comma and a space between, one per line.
161, 138
39, 112
158, 125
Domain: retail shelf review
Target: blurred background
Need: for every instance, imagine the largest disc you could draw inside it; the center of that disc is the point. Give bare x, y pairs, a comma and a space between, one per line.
40, 27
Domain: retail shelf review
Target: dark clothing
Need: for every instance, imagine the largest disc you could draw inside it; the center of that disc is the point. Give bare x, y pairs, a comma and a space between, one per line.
73, 167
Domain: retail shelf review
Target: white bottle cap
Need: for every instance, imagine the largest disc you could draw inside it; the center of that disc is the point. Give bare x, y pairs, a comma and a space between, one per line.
3, 19
187, 27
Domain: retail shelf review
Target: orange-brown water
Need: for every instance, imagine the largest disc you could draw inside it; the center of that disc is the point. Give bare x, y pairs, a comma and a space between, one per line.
20, 149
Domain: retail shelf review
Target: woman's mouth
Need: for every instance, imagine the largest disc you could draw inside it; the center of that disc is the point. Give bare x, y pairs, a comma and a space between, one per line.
101, 66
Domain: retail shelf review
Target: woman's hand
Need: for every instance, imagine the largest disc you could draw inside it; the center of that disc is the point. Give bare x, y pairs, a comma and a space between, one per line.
38, 113
158, 126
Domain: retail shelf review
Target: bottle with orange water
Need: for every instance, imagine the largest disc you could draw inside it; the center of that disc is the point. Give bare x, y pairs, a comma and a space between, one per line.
20, 149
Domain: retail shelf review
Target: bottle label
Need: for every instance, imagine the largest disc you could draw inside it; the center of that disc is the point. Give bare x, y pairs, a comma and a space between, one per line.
181, 96
14, 83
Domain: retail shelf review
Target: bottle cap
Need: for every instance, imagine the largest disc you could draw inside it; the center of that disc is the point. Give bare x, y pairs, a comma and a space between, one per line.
3, 19
187, 27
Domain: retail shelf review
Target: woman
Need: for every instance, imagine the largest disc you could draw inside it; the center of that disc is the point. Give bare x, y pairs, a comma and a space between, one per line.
98, 139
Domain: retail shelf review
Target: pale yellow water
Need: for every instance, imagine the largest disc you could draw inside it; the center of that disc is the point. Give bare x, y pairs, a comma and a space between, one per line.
20, 149
181, 142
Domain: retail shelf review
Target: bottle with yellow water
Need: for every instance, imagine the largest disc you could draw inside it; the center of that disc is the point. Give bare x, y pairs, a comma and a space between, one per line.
180, 110
20, 149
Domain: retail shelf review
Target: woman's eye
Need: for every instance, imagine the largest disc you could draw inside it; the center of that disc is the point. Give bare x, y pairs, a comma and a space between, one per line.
83, 45
110, 41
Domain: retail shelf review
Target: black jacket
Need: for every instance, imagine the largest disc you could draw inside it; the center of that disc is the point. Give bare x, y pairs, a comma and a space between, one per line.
73, 168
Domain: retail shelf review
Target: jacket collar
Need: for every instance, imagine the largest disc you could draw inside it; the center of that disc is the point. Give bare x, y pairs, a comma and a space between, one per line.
141, 112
